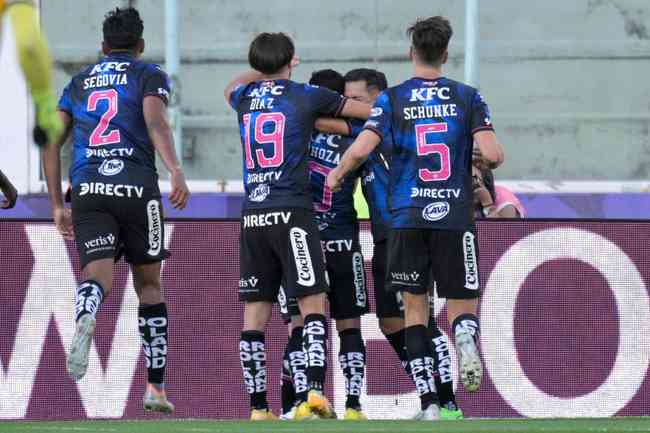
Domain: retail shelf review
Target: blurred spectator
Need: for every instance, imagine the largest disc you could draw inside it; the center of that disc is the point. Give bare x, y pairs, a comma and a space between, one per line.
493, 201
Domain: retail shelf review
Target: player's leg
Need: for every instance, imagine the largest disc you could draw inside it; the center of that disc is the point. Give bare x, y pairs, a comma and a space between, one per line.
458, 261
348, 302
294, 363
304, 268
153, 324
259, 285
97, 239
143, 232
408, 272
449, 409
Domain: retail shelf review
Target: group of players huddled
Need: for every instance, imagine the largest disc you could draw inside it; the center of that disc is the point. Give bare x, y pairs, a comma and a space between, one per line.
422, 152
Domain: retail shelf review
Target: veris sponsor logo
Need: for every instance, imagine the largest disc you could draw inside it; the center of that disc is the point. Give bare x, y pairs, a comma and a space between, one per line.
248, 282
155, 227
405, 277
302, 257
471, 267
100, 243
436, 211
111, 190
259, 193
111, 167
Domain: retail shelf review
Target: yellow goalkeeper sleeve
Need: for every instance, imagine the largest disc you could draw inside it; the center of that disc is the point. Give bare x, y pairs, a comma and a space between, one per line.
35, 62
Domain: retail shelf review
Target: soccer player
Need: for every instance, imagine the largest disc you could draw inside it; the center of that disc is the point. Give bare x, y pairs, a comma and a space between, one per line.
115, 110
279, 235
433, 122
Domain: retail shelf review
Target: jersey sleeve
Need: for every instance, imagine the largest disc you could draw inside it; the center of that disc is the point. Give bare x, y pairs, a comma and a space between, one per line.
156, 83
480, 119
236, 95
355, 126
379, 121
325, 101
65, 104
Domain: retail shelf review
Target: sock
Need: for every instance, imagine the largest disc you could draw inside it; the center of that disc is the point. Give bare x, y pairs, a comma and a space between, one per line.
418, 347
253, 363
298, 364
352, 358
398, 342
442, 363
467, 322
90, 295
287, 391
152, 321
315, 345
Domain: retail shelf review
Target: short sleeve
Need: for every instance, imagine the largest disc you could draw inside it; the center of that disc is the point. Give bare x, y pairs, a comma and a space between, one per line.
156, 83
65, 104
355, 126
380, 118
325, 101
236, 95
480, 119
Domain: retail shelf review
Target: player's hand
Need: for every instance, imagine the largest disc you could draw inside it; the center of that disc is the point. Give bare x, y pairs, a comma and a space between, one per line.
48, 124
63, 221
180, 193
334, 180
10, 193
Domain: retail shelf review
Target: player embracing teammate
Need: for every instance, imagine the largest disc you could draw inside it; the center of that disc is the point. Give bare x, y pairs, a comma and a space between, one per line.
432, 123
279, 241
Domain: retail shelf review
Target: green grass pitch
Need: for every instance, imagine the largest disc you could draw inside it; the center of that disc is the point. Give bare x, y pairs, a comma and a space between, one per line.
574, 425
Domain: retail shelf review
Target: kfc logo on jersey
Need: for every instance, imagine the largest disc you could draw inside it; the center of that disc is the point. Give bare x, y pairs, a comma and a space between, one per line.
470, 259
424, 94
267, 88
111, 167
101, 243
436, 211
259, 193
302, 257
109, 66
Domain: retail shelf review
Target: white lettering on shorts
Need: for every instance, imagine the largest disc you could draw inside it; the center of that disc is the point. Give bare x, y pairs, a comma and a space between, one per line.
304, 266
469, 257
155, 227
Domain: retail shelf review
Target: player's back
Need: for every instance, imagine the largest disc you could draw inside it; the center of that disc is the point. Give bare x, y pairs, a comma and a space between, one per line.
111, 143
432, 126
276, 119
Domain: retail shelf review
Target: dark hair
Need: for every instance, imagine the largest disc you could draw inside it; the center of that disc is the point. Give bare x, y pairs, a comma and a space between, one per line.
122, 28
430, 38
488, 181
372, 77
329, 79
270, 52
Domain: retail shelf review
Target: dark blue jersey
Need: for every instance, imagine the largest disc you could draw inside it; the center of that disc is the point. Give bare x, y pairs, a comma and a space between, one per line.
111, 144
431, 124
375, 180
335, 212
276, 120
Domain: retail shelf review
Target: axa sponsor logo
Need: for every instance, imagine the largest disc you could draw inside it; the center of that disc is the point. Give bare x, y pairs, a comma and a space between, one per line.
259, 193
302, 257
100, 243
266, 219
109, 153
111, 167
471, 262
428, 93
111, 190
406, 277
155, 227
436, 211
359, 279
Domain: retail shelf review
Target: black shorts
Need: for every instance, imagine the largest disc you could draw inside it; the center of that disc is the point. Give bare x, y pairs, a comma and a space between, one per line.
109, 227
386, 302
416, 256
348, 295
279, 247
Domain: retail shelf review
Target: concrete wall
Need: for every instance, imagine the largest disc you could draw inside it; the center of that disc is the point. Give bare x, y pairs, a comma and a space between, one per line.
567, 81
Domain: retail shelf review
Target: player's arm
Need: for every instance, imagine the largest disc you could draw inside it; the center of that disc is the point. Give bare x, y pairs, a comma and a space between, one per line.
490, 150
241, 80
51, 156
330, 125
35, 61
356, 109
9, 191
160, 133
353, 158
507, 211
